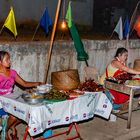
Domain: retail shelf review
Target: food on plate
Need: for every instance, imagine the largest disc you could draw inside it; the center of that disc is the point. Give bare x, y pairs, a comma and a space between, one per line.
34, 96
121, 78
56, 95
90, 85
133, 82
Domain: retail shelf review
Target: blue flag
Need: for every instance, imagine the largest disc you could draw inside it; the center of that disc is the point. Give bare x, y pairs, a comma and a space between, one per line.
46, 21
126, 27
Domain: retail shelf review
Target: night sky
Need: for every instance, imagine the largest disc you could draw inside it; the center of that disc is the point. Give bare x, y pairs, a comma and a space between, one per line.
103, 18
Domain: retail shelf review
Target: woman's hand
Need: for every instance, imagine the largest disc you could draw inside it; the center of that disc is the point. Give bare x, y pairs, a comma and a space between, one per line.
40, 83
27, 84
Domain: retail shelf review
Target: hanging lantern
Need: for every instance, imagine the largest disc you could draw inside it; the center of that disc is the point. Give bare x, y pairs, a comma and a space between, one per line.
63, 24
137, 26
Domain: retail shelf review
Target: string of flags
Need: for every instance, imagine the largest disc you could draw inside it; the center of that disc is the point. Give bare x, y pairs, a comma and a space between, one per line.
122, 30
10, 22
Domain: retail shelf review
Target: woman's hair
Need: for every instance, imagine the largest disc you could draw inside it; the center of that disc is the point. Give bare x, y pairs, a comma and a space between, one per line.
2, 54
120, 51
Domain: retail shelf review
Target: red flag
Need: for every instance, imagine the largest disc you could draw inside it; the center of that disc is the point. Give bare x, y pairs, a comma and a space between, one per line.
137, 26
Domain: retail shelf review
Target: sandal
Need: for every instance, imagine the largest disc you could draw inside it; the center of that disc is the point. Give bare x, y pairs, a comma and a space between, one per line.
14, 137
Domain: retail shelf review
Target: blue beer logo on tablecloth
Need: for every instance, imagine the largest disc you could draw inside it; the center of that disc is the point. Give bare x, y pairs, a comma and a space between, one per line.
18, 110
100, 111
29, 115
92, 99
84, 115
49, 122
104, 106
67, 118
74, 117
90, 114
106, 100
15, 108
54, 121
35, 129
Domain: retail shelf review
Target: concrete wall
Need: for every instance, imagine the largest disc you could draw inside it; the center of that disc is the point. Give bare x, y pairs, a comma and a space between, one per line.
29, 58
26, 10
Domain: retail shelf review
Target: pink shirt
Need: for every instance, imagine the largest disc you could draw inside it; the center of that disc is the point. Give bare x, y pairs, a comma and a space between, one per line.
7, 83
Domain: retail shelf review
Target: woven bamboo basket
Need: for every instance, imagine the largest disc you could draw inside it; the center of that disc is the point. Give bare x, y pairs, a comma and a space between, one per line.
65, 80
137, 64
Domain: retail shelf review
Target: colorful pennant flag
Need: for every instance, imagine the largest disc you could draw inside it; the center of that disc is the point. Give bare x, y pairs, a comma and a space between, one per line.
119, 29
46, 21
10, 22
137, 26
126, 27
69, 16
81, 54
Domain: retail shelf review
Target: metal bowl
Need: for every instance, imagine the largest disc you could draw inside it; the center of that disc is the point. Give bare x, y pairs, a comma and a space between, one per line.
30, 100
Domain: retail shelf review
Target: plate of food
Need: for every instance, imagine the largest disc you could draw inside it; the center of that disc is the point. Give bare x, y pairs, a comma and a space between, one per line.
133, 83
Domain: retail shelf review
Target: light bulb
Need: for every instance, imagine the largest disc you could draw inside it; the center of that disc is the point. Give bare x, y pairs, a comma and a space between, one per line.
63, 25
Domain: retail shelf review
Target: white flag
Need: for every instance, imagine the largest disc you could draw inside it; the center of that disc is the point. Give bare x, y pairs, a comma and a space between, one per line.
119, 29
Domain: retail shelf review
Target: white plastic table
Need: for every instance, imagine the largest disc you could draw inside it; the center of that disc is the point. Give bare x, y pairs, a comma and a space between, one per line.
49, 114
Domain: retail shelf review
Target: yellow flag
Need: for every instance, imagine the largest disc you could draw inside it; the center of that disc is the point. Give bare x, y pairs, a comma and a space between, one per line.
10, 22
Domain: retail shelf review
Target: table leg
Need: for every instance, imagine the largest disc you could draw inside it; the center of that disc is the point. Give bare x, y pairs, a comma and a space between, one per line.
66, 132
130, 109
77, 132
26, 133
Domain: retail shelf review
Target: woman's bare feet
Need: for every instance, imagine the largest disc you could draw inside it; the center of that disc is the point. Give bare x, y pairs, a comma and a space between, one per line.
7, 137
14, 134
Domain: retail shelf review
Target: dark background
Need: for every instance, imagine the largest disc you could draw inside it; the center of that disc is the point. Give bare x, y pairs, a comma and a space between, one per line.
104, 12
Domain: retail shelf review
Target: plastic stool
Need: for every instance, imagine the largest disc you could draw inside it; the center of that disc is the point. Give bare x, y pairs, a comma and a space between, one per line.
47, 133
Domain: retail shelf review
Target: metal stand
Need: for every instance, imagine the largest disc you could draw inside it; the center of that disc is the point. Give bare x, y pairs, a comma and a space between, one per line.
61, 133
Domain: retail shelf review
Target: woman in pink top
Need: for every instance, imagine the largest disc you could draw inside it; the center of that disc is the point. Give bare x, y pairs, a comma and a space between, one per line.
8, 78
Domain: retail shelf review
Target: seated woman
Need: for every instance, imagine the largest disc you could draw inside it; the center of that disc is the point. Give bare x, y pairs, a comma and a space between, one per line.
116, 68
8, 78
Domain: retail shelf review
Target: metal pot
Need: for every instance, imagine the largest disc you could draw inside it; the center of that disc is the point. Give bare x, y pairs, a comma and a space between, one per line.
29, 98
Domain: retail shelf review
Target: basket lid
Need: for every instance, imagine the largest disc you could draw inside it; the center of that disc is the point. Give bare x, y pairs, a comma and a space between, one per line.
137, 64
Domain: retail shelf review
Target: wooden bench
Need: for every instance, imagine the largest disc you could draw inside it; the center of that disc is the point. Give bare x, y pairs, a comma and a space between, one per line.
131, 91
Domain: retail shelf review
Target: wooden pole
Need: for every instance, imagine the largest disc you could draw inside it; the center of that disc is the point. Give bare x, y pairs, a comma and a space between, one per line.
35, 31
1, 30
52, 40
134, 14
131, 23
